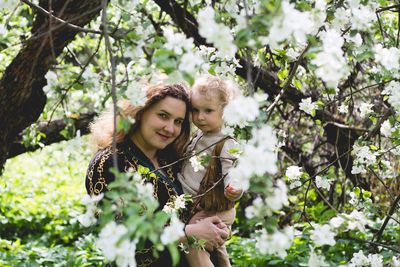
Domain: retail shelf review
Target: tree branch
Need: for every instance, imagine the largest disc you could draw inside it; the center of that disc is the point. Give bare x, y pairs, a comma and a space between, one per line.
52, 131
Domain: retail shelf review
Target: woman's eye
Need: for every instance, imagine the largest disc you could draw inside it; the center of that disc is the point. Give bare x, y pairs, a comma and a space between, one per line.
163, 116
179, 122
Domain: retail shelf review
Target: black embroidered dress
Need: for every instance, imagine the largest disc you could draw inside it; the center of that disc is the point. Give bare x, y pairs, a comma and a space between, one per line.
130, 156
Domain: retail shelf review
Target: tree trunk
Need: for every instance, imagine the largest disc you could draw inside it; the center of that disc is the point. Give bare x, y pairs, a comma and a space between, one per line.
22, 99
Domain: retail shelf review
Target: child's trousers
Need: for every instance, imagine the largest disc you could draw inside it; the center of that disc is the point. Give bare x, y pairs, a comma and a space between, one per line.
201, 258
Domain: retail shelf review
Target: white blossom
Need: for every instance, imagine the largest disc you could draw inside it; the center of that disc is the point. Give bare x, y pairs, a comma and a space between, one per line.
331, 63
191, 62
255, 209
195, 162
109, 237
393, 90
359, 259
356, 220
353, 199
126, 254
89, 217
308, 106
240, 111
145, 190
291, 24
356, 39
375, 260
135, 93
293, 174
389, 58
216, 33
173, 231
336, 222
177, 42
278, 198
396, 261
3, 29
316, 260
363, 158
276, 243
322, 182
322, 235
386, 129
343, 108
362, 17
342, 18
8, 5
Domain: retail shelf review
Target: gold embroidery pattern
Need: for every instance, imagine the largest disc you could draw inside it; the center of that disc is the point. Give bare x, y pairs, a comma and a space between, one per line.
98, 187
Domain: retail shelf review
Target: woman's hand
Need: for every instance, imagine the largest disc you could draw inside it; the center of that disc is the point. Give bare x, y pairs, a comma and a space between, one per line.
232, 194
210, 229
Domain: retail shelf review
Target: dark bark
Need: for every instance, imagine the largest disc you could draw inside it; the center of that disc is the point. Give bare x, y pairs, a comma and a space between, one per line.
53, 133
268, 81
21, 88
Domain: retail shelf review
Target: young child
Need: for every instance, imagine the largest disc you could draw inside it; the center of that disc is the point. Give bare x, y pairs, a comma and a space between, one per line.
209, 96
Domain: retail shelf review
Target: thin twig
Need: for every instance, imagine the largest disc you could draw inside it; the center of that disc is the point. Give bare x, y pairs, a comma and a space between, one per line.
373, 243
113, 87
63, 22
383, 183
378, 235
187, 156
55, 106
211, 188
287, 82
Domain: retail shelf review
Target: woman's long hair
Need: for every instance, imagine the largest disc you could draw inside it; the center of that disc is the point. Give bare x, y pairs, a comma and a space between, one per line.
102, 128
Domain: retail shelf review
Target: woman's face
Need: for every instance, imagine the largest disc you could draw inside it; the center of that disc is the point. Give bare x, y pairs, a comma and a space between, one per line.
161, 124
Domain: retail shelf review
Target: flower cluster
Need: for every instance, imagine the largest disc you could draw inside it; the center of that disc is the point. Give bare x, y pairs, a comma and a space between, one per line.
114, 247
89, 217
196, 161
332, 65
241, 110
389, 58
276, 243
178, 204
359, 259
258, 157
216, 33
293, 174
322, 235
308, 106
364, 157
322, 182
291, 24
173, 231
393, 90
273, 202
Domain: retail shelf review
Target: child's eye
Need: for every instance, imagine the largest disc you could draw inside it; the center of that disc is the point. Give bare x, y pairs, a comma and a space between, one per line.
194, 110
209, 110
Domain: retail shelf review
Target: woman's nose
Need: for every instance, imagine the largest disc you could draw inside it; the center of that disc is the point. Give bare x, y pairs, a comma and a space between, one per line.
169, 127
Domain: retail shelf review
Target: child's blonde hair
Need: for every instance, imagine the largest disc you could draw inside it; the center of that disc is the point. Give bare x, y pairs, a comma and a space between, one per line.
208, 85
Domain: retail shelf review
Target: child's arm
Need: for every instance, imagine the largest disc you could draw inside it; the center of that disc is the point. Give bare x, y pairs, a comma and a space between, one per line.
231, 192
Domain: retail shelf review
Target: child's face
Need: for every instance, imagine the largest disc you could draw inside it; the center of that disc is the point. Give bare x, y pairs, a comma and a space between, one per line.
207, 112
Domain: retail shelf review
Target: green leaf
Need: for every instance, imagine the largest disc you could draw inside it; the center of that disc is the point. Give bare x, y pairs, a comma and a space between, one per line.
282, 74
173, 250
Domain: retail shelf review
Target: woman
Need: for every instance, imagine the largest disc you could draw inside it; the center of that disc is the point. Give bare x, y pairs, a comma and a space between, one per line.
156, 138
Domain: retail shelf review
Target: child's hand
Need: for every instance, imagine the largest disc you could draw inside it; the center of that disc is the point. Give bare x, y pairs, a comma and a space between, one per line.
232, 194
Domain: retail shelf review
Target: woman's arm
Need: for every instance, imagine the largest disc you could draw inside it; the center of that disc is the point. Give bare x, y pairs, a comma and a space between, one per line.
211, 229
